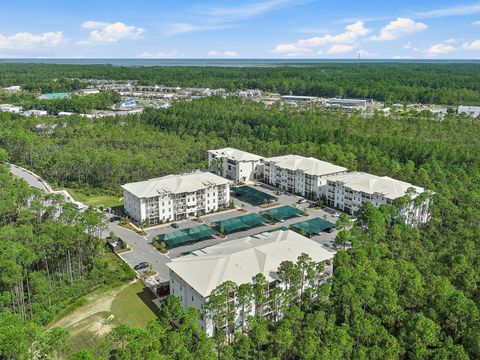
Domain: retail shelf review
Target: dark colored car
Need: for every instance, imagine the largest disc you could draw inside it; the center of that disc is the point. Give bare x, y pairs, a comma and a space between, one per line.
140, 266
115, 218
174, 225
330, 230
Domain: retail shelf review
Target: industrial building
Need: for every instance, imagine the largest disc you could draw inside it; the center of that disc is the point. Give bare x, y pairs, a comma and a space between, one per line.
473, 111
234, 164
299, 175
193, 277
175, 197
349, 103
348, 192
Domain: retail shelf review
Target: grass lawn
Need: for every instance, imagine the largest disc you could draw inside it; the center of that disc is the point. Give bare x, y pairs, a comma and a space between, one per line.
134, 306
96, 200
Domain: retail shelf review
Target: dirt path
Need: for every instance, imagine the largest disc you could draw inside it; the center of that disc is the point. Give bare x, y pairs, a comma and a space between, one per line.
96, 304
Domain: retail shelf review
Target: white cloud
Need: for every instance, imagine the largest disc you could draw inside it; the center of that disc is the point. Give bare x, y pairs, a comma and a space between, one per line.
398, 28
450, 41
450, 11
409, 46
340, 49
352, 32
291, 50
476, 23
474, 45
182, 28
103, 32
226, 53
439, 49
158, 54
25, 40
367, 53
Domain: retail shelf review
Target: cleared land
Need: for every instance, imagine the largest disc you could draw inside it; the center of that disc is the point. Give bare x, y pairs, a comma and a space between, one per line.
97, 200
128, 304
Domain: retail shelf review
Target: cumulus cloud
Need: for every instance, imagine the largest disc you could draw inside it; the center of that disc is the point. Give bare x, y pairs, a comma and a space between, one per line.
25, 40
291, 50
227, 53
439, 49
398, 28
340, 49
103, 32
352, 32
474, 45
367, 53
340, 43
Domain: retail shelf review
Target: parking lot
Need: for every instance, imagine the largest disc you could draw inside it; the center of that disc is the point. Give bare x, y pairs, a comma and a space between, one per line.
142, 250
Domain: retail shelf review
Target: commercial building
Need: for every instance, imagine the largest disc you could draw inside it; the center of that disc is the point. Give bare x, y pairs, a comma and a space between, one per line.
299, 175
348, 192
298, 98
10, 108
35, 113
234, 164
175, 197
12, 89
473, 111
193, 277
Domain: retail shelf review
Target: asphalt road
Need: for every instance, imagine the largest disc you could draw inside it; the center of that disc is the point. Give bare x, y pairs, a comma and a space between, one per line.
32, 180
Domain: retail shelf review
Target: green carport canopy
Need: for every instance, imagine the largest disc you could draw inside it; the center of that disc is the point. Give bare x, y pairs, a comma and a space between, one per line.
282, 212
187, 236
253, 196
240, 223
312, 226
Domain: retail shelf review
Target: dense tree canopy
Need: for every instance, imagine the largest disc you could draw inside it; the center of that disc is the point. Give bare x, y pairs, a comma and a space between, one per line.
398, 82
399, 293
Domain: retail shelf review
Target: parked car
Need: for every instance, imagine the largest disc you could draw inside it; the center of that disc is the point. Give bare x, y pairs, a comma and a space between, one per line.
174, 225
140, 266
329, 230
115, 218
301, 201
336, 214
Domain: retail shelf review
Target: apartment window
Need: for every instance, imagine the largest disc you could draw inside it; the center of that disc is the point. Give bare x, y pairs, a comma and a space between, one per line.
181, 288
192, 298
173, 291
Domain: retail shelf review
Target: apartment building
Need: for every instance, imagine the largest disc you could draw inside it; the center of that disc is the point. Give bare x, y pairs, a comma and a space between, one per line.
300, 175
193, 277
348, 192
234, 164
175, 197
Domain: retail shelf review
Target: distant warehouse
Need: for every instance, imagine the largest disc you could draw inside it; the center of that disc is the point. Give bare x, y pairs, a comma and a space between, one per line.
175, 197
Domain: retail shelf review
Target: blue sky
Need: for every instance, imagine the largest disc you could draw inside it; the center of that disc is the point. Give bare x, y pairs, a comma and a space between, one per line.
240, 29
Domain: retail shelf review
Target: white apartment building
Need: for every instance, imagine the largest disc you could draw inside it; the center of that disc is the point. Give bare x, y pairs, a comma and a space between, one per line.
193, 277
473, 111
349, 191
234, 164
175, 197
300, 175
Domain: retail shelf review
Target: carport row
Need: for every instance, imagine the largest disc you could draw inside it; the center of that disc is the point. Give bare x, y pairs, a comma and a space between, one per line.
244, 222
